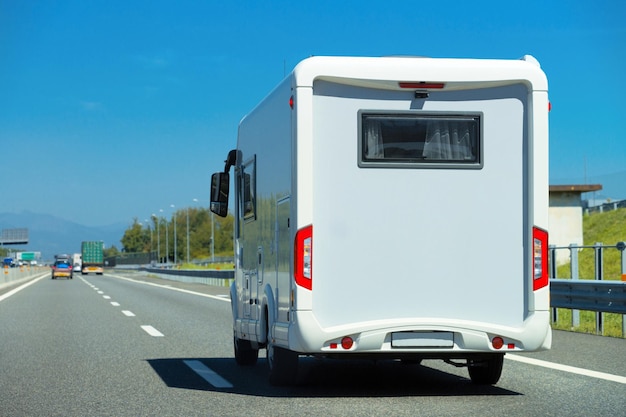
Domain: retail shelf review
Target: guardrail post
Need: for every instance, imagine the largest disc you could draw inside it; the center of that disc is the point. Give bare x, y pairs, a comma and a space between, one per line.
573, 264
620, 247
552, 262
599, 274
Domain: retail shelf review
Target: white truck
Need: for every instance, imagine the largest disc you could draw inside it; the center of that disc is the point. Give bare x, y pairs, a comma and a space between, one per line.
392, 208
77, 262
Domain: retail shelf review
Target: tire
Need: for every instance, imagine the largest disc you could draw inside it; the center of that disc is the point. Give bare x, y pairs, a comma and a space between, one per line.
486, 372
245, 354
282, 363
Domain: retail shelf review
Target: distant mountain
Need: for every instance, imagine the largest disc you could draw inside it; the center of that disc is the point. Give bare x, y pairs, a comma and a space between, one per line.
52, 235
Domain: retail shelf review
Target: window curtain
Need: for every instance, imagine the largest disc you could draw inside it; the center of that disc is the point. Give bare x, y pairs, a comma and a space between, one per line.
374, 140
448, 141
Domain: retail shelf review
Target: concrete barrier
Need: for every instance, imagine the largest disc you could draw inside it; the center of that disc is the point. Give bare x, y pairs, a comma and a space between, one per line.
14, 276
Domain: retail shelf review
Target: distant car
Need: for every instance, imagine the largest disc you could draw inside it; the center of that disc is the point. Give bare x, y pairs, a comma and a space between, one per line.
62, 268
77, 267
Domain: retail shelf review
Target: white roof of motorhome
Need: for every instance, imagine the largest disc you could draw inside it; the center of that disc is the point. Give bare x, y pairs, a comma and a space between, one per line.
385, 72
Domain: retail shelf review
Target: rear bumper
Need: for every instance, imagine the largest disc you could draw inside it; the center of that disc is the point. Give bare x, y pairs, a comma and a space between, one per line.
375, 338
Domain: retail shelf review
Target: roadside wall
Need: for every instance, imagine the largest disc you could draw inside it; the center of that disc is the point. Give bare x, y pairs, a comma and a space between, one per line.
12, 276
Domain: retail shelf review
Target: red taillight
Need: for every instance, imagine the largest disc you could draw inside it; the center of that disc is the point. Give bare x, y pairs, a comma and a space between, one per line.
497, 342
347, 343
540, 258
421, 84
303, 258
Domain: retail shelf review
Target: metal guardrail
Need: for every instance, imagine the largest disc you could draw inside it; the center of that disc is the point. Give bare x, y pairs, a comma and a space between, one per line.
613, 205
220, 278
595, 295
203, 273
600, 296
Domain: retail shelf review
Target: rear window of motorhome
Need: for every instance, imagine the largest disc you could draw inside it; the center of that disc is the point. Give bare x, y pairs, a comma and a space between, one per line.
420, 140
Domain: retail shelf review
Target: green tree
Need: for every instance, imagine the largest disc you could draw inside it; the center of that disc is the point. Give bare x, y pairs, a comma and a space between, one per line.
135, 238
224, 235
111, 251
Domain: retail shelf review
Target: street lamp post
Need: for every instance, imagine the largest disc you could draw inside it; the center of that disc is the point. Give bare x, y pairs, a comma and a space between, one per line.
212, 238
174, 215
150, 230
195, 200
167, 242
187, 235
158, 222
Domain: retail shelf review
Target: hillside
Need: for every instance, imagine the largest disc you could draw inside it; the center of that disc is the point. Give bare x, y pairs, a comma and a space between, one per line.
52, 235
607, 228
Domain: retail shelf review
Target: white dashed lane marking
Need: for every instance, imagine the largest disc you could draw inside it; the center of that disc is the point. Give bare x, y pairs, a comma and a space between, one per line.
208, 374
152, 331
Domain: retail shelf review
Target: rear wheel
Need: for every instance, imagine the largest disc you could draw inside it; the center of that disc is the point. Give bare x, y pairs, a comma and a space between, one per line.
283, 364
245, 354
486, 372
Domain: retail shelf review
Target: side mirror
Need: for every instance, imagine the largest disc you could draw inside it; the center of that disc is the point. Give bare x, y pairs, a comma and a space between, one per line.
220, 182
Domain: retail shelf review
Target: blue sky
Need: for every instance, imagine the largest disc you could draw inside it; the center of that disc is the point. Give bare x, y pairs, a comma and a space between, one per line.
112, 110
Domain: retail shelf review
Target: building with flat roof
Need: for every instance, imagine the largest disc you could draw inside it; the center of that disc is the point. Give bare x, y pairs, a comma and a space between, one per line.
566, 217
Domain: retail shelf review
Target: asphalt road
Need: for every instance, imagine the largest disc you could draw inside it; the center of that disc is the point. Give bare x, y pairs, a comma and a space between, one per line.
130, 345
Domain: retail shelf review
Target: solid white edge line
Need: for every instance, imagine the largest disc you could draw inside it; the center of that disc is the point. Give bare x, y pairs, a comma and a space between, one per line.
21, 287
567, 368
152, 331
208, 374
215, 297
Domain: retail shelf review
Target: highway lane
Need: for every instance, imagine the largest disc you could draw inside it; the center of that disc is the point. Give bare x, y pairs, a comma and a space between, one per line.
77, 348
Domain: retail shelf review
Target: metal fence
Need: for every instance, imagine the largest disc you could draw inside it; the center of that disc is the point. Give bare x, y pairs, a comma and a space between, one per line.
613, 205
591, 294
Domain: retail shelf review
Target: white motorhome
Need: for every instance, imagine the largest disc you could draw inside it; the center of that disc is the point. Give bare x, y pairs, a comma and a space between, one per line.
77, 260
392, 208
